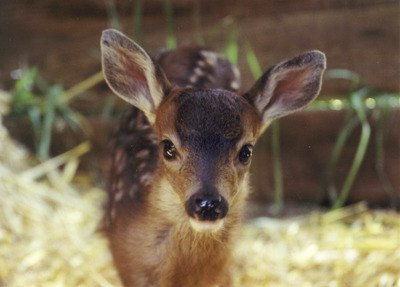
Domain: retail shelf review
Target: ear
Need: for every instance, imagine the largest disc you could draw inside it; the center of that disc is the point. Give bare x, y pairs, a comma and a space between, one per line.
288, 86
131, 73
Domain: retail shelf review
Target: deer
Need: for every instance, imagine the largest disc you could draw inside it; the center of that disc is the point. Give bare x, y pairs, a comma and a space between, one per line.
179, 178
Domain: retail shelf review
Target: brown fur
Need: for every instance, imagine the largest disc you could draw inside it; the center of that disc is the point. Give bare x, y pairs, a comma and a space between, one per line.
161, 222
160, 235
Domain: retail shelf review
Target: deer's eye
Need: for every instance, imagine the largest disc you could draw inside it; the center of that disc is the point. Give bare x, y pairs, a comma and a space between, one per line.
245, 153
169, 150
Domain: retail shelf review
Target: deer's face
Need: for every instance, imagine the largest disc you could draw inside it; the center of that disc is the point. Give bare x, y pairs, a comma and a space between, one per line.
206, 136
206, 141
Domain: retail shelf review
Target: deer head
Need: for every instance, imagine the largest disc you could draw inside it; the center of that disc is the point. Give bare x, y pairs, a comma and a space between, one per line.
206, 136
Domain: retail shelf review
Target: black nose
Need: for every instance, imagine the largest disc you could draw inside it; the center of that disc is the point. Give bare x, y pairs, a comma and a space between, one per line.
208, 207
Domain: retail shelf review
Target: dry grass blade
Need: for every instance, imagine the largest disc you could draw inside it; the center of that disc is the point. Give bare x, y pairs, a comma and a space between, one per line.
52, 164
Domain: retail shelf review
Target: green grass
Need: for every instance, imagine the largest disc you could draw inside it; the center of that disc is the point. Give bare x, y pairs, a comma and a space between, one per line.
44, 104
362, 100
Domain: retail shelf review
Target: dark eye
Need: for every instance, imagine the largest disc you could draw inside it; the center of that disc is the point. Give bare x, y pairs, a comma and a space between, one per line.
245, 153
169, 150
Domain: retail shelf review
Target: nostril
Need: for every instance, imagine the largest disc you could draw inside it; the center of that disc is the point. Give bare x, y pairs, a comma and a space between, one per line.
202, 203
208, 203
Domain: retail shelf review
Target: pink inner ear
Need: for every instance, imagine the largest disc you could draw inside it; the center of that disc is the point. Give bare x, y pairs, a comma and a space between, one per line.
290, 88
291, 92
132, 69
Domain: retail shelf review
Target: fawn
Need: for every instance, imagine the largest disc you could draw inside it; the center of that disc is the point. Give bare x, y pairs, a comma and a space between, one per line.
179, 177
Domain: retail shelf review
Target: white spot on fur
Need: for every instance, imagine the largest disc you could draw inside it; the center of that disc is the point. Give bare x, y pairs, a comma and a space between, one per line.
198, 71
210, 57
152, 137
193, 79
145, 179
234, 85
236, 73
141, 167
201, 63
144, 153
113, 212
119, 156
211, 78
118, 196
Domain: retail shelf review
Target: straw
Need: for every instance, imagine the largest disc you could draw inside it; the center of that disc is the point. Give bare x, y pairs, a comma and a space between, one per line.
49, 222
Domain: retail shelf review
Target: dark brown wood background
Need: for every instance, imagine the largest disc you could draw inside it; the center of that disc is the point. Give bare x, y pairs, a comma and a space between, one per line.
62, 39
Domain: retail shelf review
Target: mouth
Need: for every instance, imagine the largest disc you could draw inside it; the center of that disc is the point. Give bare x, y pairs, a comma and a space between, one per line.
206, 225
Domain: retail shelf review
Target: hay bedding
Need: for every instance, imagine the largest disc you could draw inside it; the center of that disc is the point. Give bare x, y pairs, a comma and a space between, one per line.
48, 222
351, 247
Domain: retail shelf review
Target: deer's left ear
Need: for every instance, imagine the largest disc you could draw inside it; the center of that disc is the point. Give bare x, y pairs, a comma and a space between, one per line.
288, 86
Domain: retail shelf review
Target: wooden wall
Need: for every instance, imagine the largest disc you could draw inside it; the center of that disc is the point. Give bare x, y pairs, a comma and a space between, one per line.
61, 38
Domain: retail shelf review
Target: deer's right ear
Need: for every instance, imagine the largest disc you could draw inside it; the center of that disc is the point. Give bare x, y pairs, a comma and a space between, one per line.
131, 73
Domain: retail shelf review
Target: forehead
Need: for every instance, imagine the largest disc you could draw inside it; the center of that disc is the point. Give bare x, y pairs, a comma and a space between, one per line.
210, 114
207, 121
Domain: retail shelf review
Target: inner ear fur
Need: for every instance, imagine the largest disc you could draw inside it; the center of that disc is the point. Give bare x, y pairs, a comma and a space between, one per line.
288, 86
131, 73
